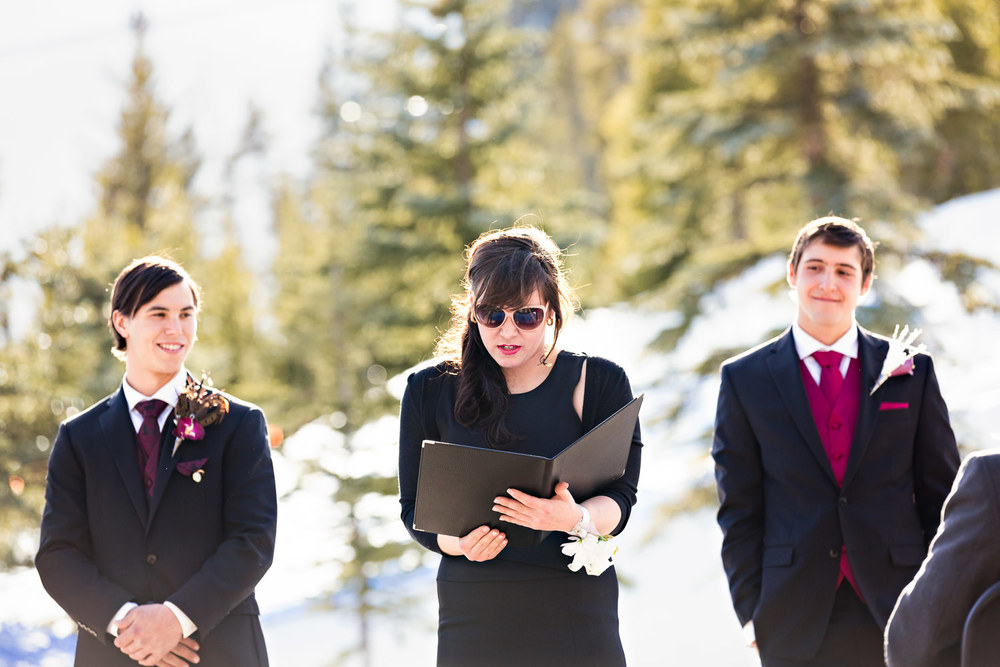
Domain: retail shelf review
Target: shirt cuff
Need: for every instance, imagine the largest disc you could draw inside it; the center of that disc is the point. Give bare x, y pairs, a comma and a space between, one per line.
112, 629
187, 625
749, 634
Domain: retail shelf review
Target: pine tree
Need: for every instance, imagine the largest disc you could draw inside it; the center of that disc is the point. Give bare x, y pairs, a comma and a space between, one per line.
421, 156
750, 118
34, 391
231, 342
590, 49
968, 159
309, 358
146, 202
431, 178
63, 363
557, 158
422, 151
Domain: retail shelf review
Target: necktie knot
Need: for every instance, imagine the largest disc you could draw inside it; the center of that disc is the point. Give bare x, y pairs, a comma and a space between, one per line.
828, 358
151, 408
830, 378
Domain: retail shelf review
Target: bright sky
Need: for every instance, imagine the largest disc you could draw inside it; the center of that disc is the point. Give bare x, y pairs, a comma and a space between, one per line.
64, 64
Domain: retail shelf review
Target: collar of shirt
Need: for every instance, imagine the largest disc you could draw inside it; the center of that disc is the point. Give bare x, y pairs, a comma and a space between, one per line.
805, 345
168, 393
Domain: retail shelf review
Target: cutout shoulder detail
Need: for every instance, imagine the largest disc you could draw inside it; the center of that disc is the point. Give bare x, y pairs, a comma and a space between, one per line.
579, 390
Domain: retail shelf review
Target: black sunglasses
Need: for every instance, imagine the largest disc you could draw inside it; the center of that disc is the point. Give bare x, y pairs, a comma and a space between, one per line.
525, 319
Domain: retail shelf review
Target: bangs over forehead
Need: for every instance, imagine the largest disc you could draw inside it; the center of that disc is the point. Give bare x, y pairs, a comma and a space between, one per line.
508, 279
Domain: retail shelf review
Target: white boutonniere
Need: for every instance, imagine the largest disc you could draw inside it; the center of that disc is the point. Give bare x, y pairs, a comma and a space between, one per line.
899, 358
590, 551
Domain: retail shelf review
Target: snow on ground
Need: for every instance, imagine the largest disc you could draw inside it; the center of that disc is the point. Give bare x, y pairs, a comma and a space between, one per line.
675, 606
962, 344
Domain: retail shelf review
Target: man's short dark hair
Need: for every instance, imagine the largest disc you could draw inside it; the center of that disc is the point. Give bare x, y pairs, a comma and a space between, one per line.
838, 232
138, 284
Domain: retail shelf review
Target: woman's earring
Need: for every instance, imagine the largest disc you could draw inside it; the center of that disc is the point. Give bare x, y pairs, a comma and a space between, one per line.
550, 321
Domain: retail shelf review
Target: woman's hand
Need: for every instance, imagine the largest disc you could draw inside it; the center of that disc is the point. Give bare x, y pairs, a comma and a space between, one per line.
560, 512
479, 545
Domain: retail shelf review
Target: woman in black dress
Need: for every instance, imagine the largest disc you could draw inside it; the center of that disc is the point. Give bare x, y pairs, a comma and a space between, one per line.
504, 384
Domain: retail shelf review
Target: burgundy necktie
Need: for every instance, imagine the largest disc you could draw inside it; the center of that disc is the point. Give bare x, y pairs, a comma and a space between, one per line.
149, 441
830, 377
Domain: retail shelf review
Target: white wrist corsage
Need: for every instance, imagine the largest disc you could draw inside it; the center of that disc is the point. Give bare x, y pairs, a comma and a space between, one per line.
589, 550
899, 358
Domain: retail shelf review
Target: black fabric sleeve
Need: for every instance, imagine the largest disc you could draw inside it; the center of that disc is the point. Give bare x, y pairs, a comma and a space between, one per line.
416, 423
935, 453
607, 390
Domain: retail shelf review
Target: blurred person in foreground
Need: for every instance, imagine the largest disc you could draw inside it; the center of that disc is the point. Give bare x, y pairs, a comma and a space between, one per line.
926, 627
160, 507
504, 384
833, 456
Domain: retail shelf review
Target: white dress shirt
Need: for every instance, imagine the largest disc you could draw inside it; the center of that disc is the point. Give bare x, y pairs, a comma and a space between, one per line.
805, 345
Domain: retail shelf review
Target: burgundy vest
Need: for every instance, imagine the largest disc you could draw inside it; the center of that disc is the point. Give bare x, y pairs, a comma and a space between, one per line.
836, 425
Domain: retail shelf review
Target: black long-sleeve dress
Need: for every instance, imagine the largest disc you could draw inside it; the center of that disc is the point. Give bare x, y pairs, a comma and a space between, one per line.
524, 607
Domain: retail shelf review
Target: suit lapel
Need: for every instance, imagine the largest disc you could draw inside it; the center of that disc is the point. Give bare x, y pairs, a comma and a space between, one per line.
164, 468
119, 436
784, 367
871, 354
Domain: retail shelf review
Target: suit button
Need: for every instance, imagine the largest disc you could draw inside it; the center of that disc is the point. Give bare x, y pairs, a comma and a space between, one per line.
843, 501
834, 553
835, 425
151, 559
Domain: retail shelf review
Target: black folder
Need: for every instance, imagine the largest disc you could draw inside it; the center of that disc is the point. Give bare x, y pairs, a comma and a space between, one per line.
457, 483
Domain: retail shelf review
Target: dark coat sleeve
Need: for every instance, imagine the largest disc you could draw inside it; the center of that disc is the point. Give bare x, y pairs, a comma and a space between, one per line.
925, 628
935, 453
249, 518
64, 560
738, 476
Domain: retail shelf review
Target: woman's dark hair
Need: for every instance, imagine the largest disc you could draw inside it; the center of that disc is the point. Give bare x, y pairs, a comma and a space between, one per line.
138, 284
503, 270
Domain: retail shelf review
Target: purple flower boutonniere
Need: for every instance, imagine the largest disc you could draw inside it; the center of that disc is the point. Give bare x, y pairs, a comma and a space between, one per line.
899, 358
198, 407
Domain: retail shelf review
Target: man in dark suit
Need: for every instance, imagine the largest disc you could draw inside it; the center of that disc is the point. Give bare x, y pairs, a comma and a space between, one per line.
925, 629
153, 543
829, 491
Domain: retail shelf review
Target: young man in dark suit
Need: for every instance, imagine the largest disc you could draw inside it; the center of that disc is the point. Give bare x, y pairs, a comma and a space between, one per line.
830, 484
153, 537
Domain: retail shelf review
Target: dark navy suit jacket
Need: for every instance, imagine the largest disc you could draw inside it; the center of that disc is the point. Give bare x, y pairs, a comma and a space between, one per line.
783, 516
201, 545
